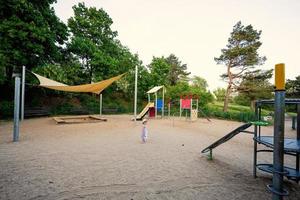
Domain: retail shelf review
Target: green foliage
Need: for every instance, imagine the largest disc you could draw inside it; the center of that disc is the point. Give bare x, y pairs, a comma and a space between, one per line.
31, 34
177, 70
255, 85
235, 112
93, 42
293, 88
199, 82
159, 69
241, 50
239, 56
167, 71
220, 94
6, 109
183, 89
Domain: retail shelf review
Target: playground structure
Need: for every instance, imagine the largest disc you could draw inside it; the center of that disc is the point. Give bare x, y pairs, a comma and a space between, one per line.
276, 144
156, 106
95, 88
189, 104
290, 147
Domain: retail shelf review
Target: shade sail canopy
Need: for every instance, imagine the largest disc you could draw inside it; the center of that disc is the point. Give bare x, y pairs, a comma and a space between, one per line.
93, 87
155, 89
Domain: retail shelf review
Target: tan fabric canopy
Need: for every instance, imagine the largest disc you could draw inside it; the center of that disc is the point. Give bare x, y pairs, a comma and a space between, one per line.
93, 87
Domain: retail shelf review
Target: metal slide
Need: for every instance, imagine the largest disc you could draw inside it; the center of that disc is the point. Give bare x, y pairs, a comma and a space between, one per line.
226, 137
144, 111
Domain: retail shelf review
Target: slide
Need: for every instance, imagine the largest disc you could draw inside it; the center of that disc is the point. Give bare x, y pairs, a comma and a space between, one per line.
144, 111
226, 137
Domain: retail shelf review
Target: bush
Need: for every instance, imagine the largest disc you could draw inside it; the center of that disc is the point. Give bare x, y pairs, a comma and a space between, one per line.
6, 109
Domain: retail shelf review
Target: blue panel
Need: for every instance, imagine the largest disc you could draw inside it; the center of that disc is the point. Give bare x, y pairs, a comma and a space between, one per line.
159, 104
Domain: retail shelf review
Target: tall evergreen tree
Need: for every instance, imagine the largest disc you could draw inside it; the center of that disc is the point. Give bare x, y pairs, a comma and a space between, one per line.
177, 70
239, 56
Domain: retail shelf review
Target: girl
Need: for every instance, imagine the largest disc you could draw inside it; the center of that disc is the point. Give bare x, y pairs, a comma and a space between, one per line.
144, 134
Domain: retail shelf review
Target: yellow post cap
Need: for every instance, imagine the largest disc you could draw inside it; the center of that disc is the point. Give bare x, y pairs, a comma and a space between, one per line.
280, 76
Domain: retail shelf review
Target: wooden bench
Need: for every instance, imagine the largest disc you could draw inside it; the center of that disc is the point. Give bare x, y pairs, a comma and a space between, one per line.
36, 112
110, 110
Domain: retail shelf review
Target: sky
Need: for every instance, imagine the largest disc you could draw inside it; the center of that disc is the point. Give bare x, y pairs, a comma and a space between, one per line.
197, 30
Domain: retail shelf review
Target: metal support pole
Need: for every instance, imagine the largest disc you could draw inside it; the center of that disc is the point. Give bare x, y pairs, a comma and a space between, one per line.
135, 92
298, 122
169, 109
191, 109
298, 137
255, 143
149, 98
155, 104
16, 108
163, 102
278, 153
180, 107
23, 93
100, 104
294, 122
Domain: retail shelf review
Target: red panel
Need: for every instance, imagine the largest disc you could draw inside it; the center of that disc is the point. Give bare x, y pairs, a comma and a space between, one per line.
152, 112
186, 103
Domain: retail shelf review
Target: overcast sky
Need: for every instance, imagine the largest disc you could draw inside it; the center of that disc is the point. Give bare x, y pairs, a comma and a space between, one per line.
196, 30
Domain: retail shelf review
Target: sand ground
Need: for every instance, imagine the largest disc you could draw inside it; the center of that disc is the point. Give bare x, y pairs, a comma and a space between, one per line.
107, 161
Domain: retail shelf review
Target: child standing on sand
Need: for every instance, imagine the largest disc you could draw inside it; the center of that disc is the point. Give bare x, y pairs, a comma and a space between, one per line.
144, 134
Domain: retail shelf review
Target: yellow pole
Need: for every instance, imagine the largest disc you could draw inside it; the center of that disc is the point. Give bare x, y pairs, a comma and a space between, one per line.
280, 77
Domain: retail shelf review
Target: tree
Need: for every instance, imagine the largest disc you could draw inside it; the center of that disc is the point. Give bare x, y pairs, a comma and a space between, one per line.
239, 56
159, 69
293, 87
220, 94
168, 71
31, 35
92, 40
255, 85
177, 70
199, 82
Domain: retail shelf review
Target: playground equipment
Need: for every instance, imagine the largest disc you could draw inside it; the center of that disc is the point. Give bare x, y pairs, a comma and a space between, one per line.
152, 108
287, 146
276, 144
96, 88
189, 103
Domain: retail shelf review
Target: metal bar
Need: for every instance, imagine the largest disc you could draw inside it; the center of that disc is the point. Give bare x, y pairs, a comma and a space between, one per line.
23, 93
298, 137
163, 101
259, 119
255, 143
180, 108
191, 109
135, 92
298, 122
16, 108
278, 155
294, 123
155, 104
169, 109
100, 104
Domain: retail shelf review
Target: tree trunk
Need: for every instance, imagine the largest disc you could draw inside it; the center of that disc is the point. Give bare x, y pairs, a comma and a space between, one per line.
226, 100
228, 91
252, 105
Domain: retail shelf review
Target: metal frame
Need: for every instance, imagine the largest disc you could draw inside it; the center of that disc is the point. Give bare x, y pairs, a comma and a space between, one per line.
278, 148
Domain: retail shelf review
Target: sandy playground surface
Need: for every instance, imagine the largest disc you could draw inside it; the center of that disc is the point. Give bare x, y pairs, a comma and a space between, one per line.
107, 161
